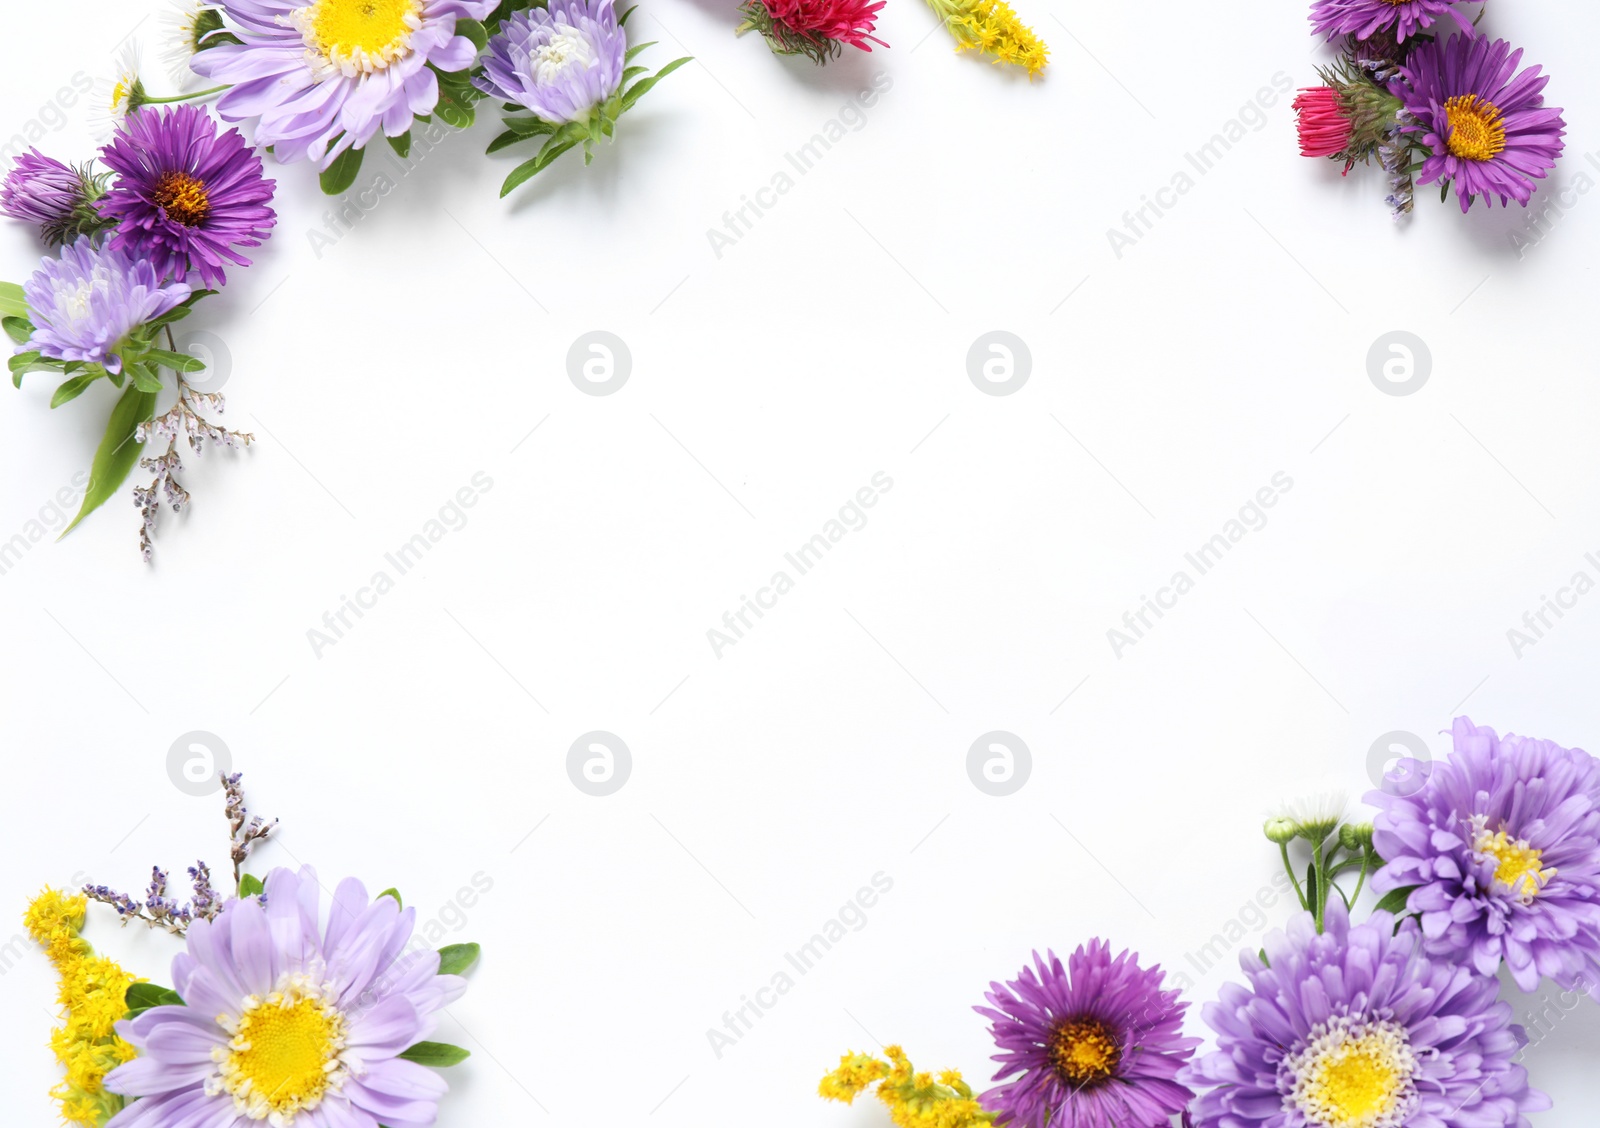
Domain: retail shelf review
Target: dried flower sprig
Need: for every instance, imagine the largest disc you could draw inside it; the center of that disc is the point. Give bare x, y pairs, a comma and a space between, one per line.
245, 831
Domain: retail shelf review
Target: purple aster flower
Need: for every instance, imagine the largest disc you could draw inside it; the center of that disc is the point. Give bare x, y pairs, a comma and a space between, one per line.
85, 303
1502, 843
559, 62
1362, 18
185, 196
1357, 1028
1486, 123
1098, 1044
321, 77
42, 190
290, 1020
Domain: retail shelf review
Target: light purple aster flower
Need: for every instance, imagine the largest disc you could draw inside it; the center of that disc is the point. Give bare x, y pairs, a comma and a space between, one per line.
1362, 18
320, 77
1486, 123
559, 62
1098, 1044
185, 196
1502, 843
1357, 1027
40, 189
85, 303
290, 1020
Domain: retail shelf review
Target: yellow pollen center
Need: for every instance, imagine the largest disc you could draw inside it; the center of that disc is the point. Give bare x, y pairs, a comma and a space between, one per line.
184, 198
1353, 1075
358, 36
283, 1056
1476, 132
1084, 1051
1516, 864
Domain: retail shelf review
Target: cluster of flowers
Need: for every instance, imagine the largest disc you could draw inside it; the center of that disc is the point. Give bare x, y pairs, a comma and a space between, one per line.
278, 1011
1490, 858
1454, 111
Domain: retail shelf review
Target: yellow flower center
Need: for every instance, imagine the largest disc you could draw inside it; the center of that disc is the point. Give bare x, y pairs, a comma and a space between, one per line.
184, 198
1476, 132
1085, 1052
1516, 864
284, 1054
357, 36
1353, 1074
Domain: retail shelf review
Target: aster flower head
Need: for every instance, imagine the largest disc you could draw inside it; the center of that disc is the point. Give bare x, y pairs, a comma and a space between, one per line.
1501, 852
291, 1018
562, 62
185, 196
1094, 1044
1365, 18
1325, 129
60, 199
814, 28
1315, 812
116, 97
1358, 1028
319, 77
1482, 124
85, 304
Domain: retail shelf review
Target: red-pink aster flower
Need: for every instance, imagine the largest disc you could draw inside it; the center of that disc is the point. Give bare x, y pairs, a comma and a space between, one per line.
1324, 128
814, 28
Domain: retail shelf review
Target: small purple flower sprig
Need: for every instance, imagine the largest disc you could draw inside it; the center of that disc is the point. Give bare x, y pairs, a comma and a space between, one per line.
157, 910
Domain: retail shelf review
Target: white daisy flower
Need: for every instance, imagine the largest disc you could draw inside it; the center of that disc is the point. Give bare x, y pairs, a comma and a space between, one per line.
114, 97
1317, 811
182, 24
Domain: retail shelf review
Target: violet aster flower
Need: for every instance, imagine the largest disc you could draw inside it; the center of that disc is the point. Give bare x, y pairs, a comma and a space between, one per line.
1486, 123
1098, 1044
560, 62
85, 303
185, 196
290, 1020
60, 199
322, 76
1502, 843
1362, 18
1357, 1028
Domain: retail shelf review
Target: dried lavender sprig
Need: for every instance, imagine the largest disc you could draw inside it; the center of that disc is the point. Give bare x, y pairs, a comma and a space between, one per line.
158, 910
244, 829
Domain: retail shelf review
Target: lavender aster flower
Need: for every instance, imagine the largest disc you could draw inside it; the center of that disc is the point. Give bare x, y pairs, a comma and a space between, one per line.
290, 1019
1485, 122
60, 199
1362, 18
1357, 1028
320, 77
1098, 1044
560, 62
185, 196
1502, 844
85, 303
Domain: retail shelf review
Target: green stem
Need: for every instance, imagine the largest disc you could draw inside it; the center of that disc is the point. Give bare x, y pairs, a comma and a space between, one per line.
1363, 879
1283, 848
1320, 868
147, 100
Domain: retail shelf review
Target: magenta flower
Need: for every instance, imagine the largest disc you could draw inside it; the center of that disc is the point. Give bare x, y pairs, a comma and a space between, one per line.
1363, 18
185, 196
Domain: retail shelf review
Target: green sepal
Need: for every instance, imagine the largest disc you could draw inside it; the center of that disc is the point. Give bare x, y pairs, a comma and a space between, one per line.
456, 958
342, 173
401, 144
141, 997
435, 1054
143, 379
250, 886
632, 73
642, 87
12, 303
392, 892
19, 329
73, 388
623, 18
118, 452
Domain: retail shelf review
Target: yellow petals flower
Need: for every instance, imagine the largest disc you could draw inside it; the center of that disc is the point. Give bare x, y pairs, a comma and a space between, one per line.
92, 996
993, 28
914, 1100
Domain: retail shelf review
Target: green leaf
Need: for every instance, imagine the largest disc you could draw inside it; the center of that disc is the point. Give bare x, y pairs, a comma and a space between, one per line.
177, 312
73, 388
505, 140
436, 1054
142, 996
642, 87
474, 31
401, 144
250, 886
632, 73
178, 361
454, 107
19, 329
527, 169
635, 49
144, 379
12, 303
342, 172
622, 19
529, 126
456, 958
21, 363
1394, 901
392, 892
118, 451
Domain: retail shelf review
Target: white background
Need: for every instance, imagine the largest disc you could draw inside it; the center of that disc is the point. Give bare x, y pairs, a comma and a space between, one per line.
430, 743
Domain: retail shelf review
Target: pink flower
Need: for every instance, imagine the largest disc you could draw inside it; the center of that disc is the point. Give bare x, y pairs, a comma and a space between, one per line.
814, 28
1324, 128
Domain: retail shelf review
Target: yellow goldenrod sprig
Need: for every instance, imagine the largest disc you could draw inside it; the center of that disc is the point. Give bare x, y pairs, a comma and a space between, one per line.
914, 1100
92, 995
993, 28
